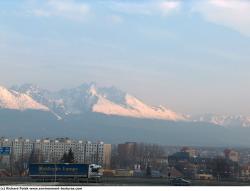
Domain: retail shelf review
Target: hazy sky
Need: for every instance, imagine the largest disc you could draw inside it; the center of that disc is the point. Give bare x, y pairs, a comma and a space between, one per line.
192, 56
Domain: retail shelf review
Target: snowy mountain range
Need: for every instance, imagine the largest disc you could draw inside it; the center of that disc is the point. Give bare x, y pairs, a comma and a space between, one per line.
223, 120
89, 97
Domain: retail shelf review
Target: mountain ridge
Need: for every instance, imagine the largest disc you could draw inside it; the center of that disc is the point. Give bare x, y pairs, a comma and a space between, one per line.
89, 97
82, 115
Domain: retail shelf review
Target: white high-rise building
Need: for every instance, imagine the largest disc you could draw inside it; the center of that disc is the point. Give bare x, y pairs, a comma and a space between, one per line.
52, 150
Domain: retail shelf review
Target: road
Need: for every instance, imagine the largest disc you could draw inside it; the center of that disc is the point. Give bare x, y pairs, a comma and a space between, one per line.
116, 181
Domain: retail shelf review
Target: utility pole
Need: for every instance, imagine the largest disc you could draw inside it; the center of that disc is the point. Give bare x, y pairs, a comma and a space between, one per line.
11, 159
55, 172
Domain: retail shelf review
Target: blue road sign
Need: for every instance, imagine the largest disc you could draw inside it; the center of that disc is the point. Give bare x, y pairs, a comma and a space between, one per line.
5, 150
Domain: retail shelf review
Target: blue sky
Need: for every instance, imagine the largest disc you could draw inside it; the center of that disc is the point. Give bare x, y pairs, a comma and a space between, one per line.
191, 56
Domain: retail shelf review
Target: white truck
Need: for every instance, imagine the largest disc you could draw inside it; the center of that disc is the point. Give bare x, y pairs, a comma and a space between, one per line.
65, 171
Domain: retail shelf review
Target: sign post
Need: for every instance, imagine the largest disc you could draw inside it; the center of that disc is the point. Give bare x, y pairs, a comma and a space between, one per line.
5, 151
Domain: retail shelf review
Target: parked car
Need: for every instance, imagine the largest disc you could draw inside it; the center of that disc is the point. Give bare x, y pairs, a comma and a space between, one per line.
180, 182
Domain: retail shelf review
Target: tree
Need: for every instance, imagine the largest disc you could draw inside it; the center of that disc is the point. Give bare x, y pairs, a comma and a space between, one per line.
68, 157
36, 156
71, 158
139, 153
64, 158
148, 171
21, 165
223, 168
33, 157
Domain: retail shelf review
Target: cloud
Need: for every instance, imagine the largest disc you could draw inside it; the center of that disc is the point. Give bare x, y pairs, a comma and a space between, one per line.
69, 9
148, 7
116, 19
80, 10
168, 6
234, 14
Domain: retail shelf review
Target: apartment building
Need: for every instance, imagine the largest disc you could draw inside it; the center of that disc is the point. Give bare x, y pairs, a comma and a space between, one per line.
52, 150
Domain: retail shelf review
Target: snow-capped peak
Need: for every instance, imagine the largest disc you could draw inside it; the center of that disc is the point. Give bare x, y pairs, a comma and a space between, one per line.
133, 107
224, 120
10, 99
92, 90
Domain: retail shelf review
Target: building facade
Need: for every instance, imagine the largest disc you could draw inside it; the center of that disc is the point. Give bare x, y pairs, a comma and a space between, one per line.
191, 151
232, 155
52, 150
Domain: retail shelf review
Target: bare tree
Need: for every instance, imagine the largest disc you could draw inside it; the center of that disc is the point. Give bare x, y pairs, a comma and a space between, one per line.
143, 154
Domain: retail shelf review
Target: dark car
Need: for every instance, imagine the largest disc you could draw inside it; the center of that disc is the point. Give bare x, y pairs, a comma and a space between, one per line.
180, 182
